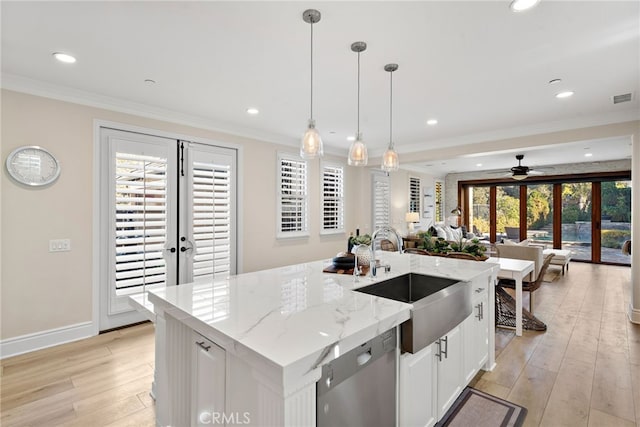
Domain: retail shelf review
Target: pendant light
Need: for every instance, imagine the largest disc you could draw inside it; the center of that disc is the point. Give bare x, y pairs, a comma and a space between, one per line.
358, 151
311, 145
390, 158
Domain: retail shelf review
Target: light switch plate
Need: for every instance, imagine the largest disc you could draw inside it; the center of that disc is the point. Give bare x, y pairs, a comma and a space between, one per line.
60, 245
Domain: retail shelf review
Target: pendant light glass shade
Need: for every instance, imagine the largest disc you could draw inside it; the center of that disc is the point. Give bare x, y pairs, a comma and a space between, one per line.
358, 155
390, 162
311, 144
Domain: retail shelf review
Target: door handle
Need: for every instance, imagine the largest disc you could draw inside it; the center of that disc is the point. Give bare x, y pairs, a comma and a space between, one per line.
479, 315
187, 244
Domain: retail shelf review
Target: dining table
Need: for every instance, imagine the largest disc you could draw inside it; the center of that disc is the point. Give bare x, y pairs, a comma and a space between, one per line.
515, 269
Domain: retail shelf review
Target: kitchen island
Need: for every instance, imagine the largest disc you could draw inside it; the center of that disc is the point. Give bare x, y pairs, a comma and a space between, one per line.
253, 345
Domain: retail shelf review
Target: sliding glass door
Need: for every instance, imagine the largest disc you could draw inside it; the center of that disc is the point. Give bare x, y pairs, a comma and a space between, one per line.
540, 214
508, 212
615, 220
576, 219
590, 214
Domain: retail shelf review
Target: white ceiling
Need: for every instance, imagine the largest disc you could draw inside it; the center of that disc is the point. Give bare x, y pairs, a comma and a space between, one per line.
477, 67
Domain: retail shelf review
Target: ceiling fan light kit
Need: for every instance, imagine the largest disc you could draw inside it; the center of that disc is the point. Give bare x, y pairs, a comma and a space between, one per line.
311, 145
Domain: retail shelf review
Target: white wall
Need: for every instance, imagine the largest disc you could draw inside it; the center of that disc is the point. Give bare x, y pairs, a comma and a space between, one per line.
41, 291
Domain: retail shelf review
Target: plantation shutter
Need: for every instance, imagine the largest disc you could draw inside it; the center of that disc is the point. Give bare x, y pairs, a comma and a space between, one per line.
140, 219
211, 211
438, 202
332, 198
414, 194
381, 200
292, 203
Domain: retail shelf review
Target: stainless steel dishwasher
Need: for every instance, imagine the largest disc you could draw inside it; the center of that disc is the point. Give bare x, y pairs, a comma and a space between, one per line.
359, 387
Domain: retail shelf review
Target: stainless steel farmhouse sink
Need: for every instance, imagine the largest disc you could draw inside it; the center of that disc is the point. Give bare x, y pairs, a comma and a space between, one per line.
439, 304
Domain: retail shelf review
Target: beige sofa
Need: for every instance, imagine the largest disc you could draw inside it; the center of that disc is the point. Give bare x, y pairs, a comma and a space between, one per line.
531, 253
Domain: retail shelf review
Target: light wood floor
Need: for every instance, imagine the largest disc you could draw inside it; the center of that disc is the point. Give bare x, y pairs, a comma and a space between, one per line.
100, 381
583, 371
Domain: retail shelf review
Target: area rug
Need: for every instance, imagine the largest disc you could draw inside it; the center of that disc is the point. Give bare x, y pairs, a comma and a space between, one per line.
551, 275
476, 408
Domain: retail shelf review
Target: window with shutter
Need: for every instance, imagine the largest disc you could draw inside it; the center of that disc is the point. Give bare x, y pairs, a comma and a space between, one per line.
414, 194
381, 188
292, 197
438, 202
332, 198
140, 220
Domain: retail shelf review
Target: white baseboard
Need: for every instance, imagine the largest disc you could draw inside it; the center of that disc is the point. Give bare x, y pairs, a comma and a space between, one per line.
39, 340
634, 315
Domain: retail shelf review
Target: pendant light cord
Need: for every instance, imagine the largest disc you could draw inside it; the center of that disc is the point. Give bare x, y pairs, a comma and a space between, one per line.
391, 109
358, 95
311, 108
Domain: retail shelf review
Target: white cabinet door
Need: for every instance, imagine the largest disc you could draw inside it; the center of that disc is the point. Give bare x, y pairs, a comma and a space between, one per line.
208, 382
449, 366
476, 338
470, 350
417, 388
476, 332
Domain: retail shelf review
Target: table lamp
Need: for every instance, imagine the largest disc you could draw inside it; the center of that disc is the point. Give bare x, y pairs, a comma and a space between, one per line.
410, 218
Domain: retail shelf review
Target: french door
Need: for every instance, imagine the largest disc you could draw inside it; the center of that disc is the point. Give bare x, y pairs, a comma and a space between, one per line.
167, 216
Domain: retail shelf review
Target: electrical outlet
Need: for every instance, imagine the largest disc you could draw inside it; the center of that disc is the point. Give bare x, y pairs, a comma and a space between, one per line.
60, 245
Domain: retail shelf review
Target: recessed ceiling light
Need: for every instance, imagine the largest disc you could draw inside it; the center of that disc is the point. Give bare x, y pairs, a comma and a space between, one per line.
554, 81
351, 138
588, 154
432, 122
64, 57
253, 111
522, 5
478, 164
565, 94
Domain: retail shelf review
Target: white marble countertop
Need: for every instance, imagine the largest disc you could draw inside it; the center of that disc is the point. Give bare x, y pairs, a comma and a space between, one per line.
295, 313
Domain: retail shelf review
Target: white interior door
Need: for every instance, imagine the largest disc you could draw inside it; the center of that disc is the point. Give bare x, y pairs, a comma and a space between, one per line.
207, 231
167, 216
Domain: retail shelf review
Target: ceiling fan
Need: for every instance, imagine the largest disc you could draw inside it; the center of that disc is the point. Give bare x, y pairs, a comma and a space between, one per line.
520, 172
